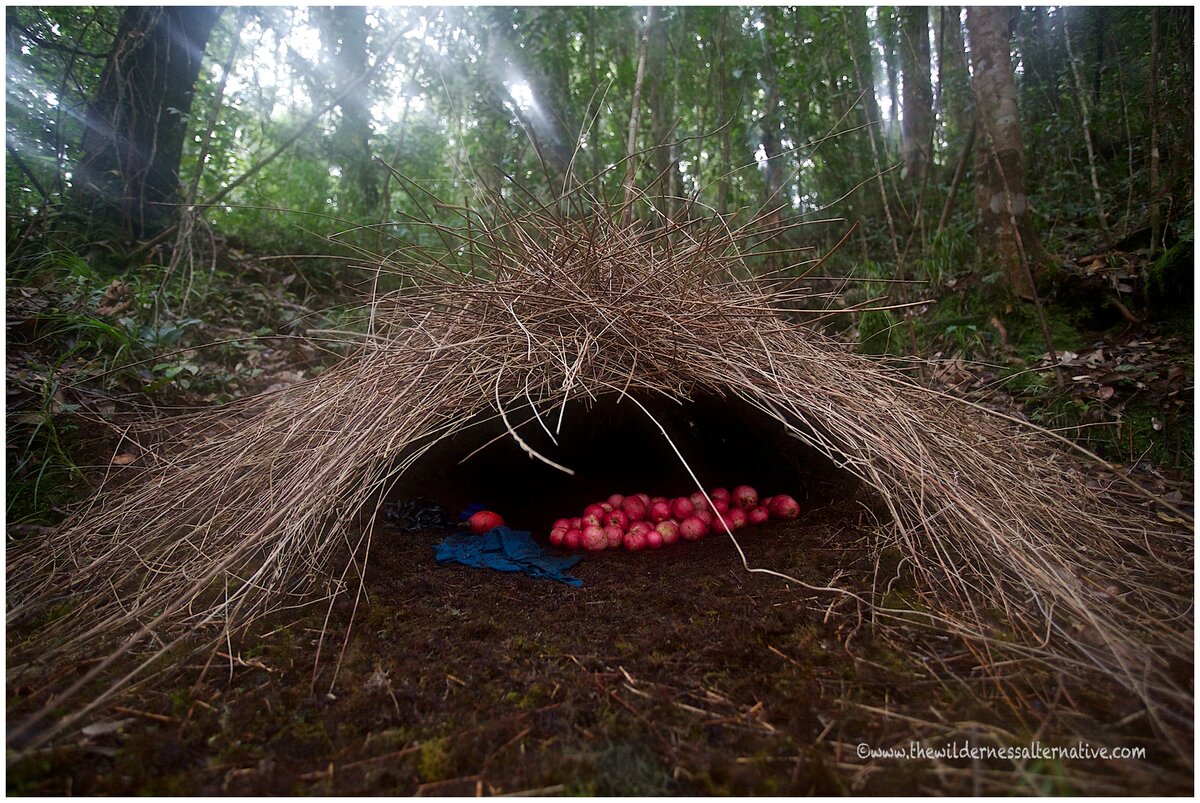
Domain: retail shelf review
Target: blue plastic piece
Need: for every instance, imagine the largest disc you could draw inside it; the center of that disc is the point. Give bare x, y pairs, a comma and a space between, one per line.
507, 550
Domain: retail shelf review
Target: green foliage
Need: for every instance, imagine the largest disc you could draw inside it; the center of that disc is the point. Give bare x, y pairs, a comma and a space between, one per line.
488, 98
949, 258
1170, 282
879, 330
69, 343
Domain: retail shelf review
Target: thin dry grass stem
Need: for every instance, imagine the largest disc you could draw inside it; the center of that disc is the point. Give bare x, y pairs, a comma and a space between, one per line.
1040, 577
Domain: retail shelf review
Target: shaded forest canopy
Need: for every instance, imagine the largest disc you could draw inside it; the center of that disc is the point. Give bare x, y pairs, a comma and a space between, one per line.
740, 108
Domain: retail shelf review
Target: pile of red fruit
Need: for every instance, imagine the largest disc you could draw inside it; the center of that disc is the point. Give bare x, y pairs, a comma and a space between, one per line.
638, 521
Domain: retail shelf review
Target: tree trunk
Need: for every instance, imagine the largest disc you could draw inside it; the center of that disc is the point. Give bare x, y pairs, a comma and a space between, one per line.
955, 81
1085, 112
723, 119
128, 173
344, 39
772, 167
888, 31
1001, 203
916, 129
635, 113
1155, 114
660, 103
862, 56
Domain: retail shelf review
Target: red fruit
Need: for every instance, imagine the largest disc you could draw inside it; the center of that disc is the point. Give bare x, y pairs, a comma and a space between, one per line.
654, 539
784, 507
766, 502
573, 539
693, 528
615, 535
607, 507
633, 508
634, 540
577, 523
594, 539
745, 497
641, 526
556, 536
758, 515
659, 511
594, 510
615, 500
720, 505
668, 530
483, 521
617, 519
719, 493
705, 516
645, 500
681, 508
593, 520
737, 518
561, 524
699, 501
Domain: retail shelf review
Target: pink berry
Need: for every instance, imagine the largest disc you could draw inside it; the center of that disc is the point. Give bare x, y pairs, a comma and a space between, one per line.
594, 539
681, 508
784, 507
745, 497
693, 528
634, 540
617, 519
659, 511
668, 530
633, 508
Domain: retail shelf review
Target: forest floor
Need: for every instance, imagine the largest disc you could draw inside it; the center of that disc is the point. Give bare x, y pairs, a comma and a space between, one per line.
666, 673
672, 672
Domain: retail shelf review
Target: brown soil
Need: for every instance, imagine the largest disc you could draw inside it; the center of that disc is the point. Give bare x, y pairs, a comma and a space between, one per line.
671, 672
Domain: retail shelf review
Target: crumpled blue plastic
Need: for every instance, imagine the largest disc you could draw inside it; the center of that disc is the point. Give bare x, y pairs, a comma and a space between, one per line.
507, 550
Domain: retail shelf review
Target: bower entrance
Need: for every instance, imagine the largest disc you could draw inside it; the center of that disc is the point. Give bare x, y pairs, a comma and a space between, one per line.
614, 447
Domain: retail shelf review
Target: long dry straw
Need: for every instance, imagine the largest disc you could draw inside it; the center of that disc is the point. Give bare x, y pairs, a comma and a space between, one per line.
1041, 577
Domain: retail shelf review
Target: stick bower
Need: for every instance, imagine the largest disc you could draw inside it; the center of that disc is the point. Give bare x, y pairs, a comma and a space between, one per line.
259, 505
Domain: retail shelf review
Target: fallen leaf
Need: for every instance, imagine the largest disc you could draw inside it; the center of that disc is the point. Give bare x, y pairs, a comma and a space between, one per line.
124, 459
104, 728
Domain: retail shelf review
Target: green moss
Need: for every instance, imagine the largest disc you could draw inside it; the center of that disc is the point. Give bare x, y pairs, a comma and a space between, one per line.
1169, 282
433, 762
879, 333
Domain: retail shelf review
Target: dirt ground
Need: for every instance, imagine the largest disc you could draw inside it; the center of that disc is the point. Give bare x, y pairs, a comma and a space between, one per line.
669, 672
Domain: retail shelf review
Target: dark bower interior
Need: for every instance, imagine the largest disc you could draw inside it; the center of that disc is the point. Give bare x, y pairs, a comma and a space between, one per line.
615, 448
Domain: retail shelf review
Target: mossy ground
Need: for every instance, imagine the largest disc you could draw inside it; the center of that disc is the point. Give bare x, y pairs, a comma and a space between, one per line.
672, 672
